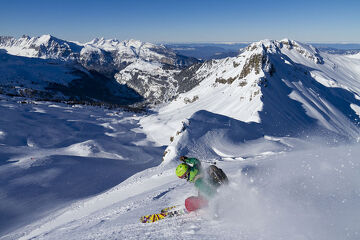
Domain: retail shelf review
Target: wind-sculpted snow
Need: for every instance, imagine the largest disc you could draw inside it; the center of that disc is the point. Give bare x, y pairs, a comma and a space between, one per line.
210, 136
54, 154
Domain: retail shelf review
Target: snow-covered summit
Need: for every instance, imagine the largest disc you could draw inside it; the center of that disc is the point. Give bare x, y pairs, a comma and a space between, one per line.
274, 46
103, 42
114, 44
45, 46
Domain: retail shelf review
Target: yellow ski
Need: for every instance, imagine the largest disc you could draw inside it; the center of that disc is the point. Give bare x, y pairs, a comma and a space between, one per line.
164, 213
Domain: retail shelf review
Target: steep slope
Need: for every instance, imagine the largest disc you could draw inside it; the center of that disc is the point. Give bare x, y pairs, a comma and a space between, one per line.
150, 80
93, 58
285, 86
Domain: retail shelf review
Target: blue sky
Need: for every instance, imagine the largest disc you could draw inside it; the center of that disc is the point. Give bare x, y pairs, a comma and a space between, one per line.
184, 21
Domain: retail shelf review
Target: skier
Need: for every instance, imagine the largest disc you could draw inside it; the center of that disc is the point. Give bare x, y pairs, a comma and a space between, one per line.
206, 181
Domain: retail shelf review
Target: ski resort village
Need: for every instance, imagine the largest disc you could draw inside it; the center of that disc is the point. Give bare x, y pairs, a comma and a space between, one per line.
183, 138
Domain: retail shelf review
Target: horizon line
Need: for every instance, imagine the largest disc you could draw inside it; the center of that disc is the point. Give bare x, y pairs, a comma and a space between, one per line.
199, 42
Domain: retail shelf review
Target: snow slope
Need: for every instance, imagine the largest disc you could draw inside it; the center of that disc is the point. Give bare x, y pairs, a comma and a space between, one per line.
54, 154
281, 188
34, 73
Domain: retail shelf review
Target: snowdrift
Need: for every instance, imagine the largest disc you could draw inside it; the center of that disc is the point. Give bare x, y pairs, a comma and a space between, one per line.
55, 154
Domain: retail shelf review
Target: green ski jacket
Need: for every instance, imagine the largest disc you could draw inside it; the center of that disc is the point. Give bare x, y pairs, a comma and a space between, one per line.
197, 176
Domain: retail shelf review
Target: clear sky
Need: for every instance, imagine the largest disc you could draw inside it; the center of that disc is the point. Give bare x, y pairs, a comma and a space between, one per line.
184, 21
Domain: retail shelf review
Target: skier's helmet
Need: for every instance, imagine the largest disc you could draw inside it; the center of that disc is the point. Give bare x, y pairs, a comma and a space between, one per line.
182, 170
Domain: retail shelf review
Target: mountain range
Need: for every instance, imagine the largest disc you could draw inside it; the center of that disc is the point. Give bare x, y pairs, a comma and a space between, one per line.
98, 60
269, 79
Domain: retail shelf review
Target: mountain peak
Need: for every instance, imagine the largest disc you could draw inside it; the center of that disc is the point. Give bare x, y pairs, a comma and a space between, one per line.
44, 39
283, 46
106, 44
132, 43
95, 40
24, 36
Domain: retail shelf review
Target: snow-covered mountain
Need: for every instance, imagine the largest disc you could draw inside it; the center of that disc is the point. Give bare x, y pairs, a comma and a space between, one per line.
112, 58
282, 85
45, 46
129, 50
121, 53
48, 79
246, 87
